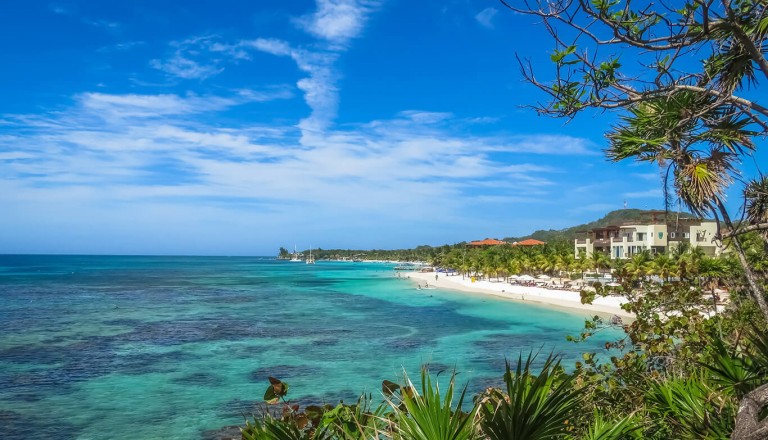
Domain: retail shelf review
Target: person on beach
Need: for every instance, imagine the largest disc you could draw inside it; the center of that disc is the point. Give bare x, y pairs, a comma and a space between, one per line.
435, 277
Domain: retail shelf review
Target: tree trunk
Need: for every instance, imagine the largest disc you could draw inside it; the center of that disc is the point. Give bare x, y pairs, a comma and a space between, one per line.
754, 285
748, 426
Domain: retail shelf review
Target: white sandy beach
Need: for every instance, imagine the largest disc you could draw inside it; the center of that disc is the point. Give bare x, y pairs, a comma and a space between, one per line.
558, 298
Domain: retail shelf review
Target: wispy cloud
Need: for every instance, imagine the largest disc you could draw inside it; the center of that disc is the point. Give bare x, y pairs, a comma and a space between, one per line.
546, 144
110, 26
145, 146
122, 47
656, 193
192, 59
485, 17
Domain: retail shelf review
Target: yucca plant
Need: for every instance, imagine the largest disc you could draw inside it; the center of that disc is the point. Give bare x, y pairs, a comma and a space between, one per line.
735, 374
534, 406
269, 428
600, 428
692, 409
430, 415
356, 422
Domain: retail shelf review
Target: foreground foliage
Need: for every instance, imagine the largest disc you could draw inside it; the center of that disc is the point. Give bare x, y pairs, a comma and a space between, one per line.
543, 401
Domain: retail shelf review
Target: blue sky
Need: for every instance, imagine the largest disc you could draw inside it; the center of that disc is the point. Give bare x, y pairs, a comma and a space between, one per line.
236, 127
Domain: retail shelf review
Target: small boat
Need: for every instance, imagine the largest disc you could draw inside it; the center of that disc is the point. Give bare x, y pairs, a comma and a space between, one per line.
310, 259
295, 258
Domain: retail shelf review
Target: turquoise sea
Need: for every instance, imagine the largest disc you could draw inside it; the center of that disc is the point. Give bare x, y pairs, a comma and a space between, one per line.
111, 347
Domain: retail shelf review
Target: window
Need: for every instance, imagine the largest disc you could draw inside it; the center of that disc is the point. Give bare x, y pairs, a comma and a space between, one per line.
672, 234
686, 235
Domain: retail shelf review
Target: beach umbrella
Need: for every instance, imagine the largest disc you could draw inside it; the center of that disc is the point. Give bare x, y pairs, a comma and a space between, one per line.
514, 277
613, 284
526, 278
543, 277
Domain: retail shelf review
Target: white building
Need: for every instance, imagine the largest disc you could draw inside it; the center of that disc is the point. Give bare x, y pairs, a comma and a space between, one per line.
628, 239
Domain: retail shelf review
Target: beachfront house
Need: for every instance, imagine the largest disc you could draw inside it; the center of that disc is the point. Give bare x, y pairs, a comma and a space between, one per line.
493, 242
485, 243
529, 242
625, 240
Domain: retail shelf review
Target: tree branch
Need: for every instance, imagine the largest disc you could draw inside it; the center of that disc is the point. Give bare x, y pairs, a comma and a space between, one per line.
744, 230
748, 425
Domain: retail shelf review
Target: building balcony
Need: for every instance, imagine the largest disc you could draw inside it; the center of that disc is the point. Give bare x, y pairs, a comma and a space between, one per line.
602, 242
581, 241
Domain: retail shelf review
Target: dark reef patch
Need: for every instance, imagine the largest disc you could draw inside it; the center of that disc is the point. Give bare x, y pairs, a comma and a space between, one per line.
199, 379
143, 363
17, 426
283, 372
225, 433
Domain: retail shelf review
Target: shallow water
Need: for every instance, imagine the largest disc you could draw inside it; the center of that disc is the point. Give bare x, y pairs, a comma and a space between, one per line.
96, 347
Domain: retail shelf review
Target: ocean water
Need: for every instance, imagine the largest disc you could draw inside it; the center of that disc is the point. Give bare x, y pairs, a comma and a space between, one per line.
97, 347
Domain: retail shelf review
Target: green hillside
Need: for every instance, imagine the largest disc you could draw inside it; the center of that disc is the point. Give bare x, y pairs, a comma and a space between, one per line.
612, 218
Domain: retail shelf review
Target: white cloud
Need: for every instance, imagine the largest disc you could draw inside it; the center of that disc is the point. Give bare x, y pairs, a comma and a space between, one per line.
320, 92
422, 117
134, 105
656, 193
485, 17
338, 21
546, 144
185, 68
183, 63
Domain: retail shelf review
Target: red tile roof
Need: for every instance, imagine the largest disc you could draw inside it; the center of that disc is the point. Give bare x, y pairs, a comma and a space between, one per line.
487, 242
529, 242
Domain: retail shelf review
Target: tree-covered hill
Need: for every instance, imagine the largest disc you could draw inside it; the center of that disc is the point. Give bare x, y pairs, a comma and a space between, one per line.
612, 218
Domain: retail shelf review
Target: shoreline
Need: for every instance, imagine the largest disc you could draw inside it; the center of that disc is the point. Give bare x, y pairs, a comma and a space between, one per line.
570, 300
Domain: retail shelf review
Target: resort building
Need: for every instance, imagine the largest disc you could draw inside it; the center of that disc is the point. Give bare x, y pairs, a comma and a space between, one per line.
528, 242
485, 243
493, 242
625, 240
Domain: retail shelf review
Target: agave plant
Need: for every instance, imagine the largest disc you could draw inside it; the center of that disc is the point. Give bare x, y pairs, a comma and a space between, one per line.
534, 406
430, 415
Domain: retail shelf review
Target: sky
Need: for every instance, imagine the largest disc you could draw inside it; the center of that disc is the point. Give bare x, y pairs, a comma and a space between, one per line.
236, 127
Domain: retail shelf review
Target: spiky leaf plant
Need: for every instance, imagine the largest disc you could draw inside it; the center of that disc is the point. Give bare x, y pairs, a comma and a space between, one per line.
269, 428
430, 415
692, 409
360, 421
600, 428
534, 406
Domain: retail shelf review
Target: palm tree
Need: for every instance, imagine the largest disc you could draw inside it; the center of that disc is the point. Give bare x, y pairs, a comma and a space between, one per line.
663, 266
712, 269
564, 263
697, 140
638, 266
599, 261
756, 207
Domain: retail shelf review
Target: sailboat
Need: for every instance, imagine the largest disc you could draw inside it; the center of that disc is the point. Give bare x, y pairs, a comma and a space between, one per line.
310, 259
295, 258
